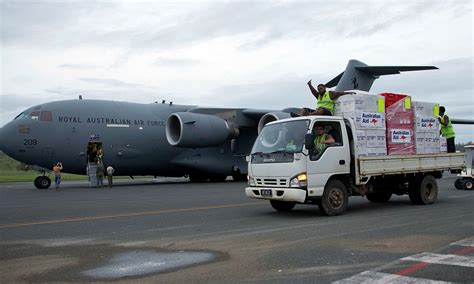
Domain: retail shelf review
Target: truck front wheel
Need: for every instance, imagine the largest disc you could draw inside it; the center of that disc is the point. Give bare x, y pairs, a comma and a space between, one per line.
283, 206
335, 198
425, 191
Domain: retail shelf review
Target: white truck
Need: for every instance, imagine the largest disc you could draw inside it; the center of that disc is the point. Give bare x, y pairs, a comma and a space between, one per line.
285, 168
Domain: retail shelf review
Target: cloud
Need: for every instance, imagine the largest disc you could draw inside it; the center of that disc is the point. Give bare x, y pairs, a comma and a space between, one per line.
78, 66
111, 82
175, 62
168, 25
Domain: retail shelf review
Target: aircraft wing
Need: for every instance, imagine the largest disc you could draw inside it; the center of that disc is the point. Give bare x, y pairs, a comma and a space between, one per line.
461, 121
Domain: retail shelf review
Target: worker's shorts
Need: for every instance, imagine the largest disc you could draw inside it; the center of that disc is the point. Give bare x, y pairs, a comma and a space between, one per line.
325, 111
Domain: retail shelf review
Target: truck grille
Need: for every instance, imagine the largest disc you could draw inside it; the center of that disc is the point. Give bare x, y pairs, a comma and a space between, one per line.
278, 182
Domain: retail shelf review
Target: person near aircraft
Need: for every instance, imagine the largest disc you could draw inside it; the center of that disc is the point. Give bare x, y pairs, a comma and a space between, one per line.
325, 100
322, 139
57, 168
447, 129
110, 173
99, 153
100, 174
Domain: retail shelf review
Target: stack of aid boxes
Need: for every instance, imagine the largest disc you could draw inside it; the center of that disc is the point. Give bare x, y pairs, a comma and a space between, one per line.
427, 128
400, 124
368, 112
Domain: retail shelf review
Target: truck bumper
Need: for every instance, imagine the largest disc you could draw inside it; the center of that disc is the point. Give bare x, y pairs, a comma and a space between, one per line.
282, 194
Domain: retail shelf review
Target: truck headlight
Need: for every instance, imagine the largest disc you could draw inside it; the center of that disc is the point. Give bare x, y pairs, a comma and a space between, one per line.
299, 181
251, 181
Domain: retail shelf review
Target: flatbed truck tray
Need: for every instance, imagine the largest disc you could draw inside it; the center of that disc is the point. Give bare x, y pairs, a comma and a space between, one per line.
390, 165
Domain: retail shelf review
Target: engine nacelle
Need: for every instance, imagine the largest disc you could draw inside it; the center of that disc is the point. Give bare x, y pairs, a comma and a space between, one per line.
271, 116
195, 130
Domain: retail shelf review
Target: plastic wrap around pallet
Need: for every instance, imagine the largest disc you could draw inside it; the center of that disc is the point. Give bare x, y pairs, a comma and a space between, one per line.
368, 112
399, 117
427, 128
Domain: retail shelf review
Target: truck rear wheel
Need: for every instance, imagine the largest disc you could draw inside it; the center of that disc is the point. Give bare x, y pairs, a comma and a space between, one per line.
425, 191
379, 197
335, 198
467, 184
282, 206
458, 183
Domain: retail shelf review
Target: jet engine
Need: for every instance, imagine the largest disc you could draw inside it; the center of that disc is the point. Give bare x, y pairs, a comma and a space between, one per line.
195, 130
271, 116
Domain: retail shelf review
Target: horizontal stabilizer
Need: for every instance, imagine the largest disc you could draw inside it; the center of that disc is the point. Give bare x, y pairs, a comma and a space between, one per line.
389, 70
334, 81
360, 76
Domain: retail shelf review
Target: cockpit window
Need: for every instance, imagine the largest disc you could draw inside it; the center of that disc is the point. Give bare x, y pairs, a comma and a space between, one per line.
46, 116
21, 115
34, 115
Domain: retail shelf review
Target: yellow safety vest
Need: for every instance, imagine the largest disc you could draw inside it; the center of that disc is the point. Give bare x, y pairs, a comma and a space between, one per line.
448, 130
326, 102
317, 142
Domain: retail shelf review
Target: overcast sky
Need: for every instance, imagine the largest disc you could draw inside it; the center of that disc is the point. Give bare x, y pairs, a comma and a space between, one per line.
229, 53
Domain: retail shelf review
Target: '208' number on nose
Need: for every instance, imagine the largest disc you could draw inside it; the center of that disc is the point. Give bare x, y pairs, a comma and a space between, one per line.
29, 142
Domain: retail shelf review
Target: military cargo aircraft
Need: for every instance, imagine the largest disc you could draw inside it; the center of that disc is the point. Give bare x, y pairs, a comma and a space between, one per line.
159, 139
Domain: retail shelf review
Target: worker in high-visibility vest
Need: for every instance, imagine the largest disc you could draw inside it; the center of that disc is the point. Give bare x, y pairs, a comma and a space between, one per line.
447, 129
325, 98
322, 140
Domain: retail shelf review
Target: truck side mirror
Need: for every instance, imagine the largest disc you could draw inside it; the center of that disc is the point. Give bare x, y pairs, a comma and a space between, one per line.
309, 141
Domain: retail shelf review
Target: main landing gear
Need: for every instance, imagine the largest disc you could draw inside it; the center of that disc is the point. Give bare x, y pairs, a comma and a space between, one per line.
42, 182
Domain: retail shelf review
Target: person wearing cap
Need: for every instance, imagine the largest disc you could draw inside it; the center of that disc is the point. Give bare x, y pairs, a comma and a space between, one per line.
447, 129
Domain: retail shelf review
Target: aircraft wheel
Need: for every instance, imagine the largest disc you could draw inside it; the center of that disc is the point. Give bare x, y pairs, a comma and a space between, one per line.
217, 178
426, 191
379, 197
42, 182
282, 206
458, 184
467, 184
335, 198
197, 178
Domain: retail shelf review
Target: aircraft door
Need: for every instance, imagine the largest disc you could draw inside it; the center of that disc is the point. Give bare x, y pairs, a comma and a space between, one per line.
94, 152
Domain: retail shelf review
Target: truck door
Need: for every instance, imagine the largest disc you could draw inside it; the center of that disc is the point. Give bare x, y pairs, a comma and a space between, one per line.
330, 155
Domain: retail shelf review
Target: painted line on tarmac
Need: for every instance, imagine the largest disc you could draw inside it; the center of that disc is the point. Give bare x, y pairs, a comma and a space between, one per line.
423, 260
79, 219
382, 278
447, 259
469, 242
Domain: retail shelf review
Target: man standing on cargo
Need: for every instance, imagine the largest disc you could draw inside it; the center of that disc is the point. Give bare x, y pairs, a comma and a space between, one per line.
325, 98
447, 129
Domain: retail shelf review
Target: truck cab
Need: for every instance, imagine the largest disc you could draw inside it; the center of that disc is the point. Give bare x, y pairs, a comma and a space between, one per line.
284, 165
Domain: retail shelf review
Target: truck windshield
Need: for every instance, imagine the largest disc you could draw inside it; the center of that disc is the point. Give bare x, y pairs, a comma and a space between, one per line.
281, 137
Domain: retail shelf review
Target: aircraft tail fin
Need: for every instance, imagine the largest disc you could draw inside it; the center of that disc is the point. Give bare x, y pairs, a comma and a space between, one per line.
360, 76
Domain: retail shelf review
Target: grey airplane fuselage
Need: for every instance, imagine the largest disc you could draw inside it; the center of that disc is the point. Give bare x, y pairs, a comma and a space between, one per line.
133, 138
